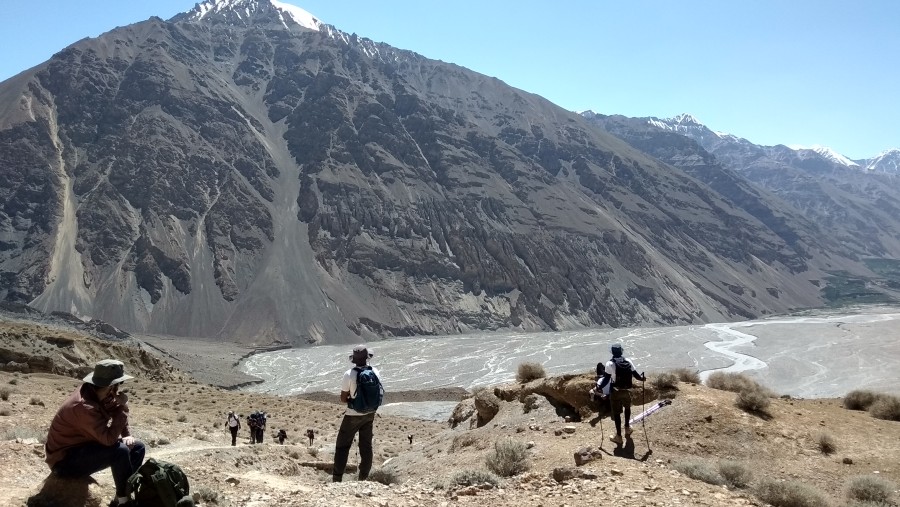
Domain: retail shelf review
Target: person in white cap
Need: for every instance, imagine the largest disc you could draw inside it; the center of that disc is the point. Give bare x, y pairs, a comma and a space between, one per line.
354, 420
90, 431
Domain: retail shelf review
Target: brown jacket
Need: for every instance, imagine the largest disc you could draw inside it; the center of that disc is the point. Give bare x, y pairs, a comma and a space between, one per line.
82, 419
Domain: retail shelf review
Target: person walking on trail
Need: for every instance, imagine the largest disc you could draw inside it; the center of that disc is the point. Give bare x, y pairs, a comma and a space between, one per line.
90, 431
260, 426
251, 424
311, 435
617, 375
362, 391
234, 424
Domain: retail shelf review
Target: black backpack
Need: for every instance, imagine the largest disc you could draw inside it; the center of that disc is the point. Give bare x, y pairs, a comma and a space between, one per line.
623, 374
369, 391
160, 484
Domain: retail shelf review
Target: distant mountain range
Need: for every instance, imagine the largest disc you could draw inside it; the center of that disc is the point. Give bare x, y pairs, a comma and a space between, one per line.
247, 172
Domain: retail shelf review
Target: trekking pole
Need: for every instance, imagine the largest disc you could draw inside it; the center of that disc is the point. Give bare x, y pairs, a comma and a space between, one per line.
644, 420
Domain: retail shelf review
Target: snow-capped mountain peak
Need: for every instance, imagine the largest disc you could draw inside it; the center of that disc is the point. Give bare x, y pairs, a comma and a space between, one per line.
684, 119
827, 153
245, 10
888, 161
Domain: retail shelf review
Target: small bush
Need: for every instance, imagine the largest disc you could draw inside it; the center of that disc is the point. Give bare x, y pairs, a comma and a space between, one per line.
5, 412
473, 478
4, 393
734, 382
294, 454
25, 433
868, 488
687, 375
753, 400
826, 444
859, 399
736, 474
664, 381
313, 451
886, 407
467, 440
508, 458
182, 418
700, 471
13, 381
386, 476
207, 495
529, 371
789, 494
35, 401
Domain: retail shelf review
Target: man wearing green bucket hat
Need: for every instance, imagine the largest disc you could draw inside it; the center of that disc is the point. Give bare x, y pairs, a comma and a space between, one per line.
90, 430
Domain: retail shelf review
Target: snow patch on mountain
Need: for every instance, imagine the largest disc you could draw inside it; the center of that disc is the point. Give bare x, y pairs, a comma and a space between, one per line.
246, 8
826, 153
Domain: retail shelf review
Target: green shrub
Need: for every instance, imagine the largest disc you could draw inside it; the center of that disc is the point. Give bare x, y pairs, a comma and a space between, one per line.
473, 478
789, 494
826, 443
529, 371
868, 488
859, 399
886, 407
687, 375
385, 475
508, 458
664, 381
735, 473
700, 471
753, 400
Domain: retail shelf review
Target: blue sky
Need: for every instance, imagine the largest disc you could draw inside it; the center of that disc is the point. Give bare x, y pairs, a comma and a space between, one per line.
806, 72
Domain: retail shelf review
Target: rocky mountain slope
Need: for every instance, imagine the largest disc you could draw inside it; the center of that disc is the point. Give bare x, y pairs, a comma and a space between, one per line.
702, 431
259, 179
855, 205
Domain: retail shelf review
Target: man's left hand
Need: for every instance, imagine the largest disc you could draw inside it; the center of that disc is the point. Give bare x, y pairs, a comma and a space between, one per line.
129, 441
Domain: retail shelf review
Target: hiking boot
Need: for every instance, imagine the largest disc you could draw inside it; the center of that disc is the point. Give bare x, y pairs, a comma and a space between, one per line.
627, 431
616, 439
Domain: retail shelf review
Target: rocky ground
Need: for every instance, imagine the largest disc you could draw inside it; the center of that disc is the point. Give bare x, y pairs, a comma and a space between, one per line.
181, 420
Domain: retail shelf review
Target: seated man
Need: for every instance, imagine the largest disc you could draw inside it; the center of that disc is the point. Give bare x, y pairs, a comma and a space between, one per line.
90, 431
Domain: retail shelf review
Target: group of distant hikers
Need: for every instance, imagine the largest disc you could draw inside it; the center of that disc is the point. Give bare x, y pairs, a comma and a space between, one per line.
90, 431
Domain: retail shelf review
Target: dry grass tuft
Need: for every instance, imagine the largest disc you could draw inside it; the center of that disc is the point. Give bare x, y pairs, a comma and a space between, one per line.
789, 494
467, 440
4, 393
859, 399
734, 382
664, 381
528, 371
687, 375
509, 458
868, 488
826, 444
886, 407
753, 400
473, 478
735, 473
207, 495
700, 471
385, 475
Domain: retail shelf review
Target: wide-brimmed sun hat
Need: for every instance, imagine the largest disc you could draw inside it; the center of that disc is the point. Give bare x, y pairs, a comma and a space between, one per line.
360, 353
106, 373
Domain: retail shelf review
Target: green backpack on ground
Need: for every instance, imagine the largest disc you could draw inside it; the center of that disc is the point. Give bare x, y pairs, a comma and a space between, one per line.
160, 484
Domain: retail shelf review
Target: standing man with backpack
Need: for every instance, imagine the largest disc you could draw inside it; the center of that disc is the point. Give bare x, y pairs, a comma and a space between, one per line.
234, 424
362, 391
618, 373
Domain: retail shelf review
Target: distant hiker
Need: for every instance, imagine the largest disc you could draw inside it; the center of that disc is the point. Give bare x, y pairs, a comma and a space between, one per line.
282, 435
260, 426
362, 391
311, 435
90, 431
251, 425
234, 424
410, 438
618, 374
